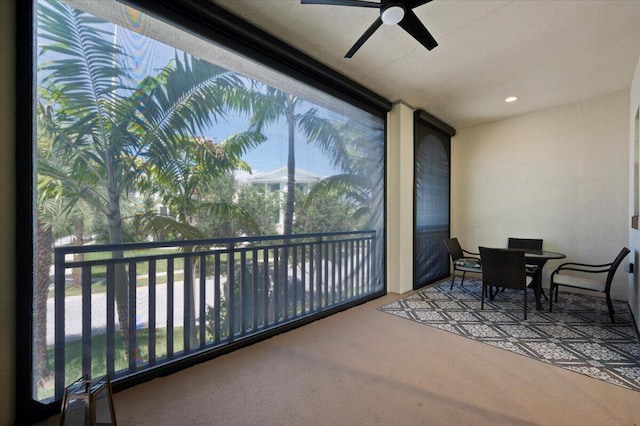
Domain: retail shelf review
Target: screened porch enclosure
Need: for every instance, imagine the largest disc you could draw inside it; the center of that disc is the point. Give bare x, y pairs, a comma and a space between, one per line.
152, 249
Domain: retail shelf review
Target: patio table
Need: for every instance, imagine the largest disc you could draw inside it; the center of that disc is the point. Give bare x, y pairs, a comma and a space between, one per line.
539, 258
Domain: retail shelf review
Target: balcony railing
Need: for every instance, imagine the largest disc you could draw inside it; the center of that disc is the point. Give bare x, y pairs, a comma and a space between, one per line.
140, 306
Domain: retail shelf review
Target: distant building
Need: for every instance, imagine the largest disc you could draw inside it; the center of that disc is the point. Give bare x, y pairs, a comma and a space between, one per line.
275, 181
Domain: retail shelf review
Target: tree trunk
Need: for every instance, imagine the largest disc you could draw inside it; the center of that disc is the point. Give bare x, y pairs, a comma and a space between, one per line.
114, 222
78, 224
44, 251
283, 266
191, 262
291, 173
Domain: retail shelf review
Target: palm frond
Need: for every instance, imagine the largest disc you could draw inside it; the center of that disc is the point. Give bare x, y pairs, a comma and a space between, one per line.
56, 183
240, 143
88, 73
268, 106
187, 98
353, 187
245, 220
151, 223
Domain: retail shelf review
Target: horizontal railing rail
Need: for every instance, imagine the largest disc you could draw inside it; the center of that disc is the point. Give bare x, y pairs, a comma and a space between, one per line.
143, 305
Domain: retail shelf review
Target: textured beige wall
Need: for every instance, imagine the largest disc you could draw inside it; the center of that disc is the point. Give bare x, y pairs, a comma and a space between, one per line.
634, 157
400, 199
559, 174
7, 217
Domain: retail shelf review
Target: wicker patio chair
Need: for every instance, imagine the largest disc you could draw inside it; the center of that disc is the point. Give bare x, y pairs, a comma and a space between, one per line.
529, 244
583, 281
503, 268
525, 243
461, 259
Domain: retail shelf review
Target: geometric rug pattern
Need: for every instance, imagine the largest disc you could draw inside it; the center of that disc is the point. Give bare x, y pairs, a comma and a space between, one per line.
577, 335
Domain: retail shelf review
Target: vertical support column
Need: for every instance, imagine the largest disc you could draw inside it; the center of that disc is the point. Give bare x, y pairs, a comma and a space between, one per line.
633, 283
400, 166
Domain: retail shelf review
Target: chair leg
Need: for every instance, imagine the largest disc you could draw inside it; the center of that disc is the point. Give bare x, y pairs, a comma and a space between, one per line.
610, 306
484, 290
463, 274
525, 303
453, 277
493, 294
538, 277
551, 297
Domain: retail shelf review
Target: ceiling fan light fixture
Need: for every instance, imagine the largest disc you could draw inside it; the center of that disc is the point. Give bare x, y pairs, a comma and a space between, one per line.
392, 15
391, 12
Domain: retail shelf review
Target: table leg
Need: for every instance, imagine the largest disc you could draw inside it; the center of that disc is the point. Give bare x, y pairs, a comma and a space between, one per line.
537, 278
537, 285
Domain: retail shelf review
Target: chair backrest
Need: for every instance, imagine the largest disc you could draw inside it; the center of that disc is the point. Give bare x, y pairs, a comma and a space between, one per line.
525, 243
614, 266
503, 268
454, 248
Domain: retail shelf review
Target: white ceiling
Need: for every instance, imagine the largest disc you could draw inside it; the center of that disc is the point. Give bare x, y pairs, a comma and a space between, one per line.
549, 53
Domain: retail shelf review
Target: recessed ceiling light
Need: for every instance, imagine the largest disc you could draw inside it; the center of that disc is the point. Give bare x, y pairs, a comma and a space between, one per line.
511, 99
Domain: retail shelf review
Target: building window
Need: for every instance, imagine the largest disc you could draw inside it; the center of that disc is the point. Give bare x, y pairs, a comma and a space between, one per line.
274, 187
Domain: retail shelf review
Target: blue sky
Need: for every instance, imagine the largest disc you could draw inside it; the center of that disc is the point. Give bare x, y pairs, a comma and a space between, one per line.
272, 154
148, 55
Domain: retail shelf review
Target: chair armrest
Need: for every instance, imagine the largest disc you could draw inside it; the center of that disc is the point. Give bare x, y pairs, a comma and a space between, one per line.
583, 267
468, 252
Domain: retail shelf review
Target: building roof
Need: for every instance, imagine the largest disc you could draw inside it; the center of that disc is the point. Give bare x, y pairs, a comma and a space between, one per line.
277, 175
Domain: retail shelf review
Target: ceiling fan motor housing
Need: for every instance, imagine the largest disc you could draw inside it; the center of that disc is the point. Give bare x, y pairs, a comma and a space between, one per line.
392, 12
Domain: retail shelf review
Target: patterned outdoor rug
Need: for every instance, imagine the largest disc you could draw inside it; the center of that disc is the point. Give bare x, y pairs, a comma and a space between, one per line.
577, 335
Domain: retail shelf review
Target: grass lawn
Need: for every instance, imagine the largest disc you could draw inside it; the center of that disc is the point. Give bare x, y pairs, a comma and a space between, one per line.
73, 356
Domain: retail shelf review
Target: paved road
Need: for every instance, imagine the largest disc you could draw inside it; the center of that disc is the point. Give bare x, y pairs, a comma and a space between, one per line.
73, 308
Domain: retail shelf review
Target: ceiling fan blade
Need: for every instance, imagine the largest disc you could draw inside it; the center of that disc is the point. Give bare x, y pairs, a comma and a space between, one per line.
411, 24
415, 3
376, 24
355, 3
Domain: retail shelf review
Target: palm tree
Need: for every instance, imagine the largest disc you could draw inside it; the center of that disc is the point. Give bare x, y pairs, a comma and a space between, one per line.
53, 212
178, 174
274, 105
108, 127
359, 161
49, 209
44, 250
270, 106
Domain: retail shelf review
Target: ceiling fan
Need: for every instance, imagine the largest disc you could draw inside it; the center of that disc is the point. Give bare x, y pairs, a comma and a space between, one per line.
391, 12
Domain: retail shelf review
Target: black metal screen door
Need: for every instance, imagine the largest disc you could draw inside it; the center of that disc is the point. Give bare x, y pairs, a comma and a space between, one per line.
431, 203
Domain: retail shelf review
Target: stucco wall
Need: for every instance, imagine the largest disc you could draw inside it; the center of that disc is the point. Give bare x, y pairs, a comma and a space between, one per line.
559, 174
7, 217
634, 157
400, 199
